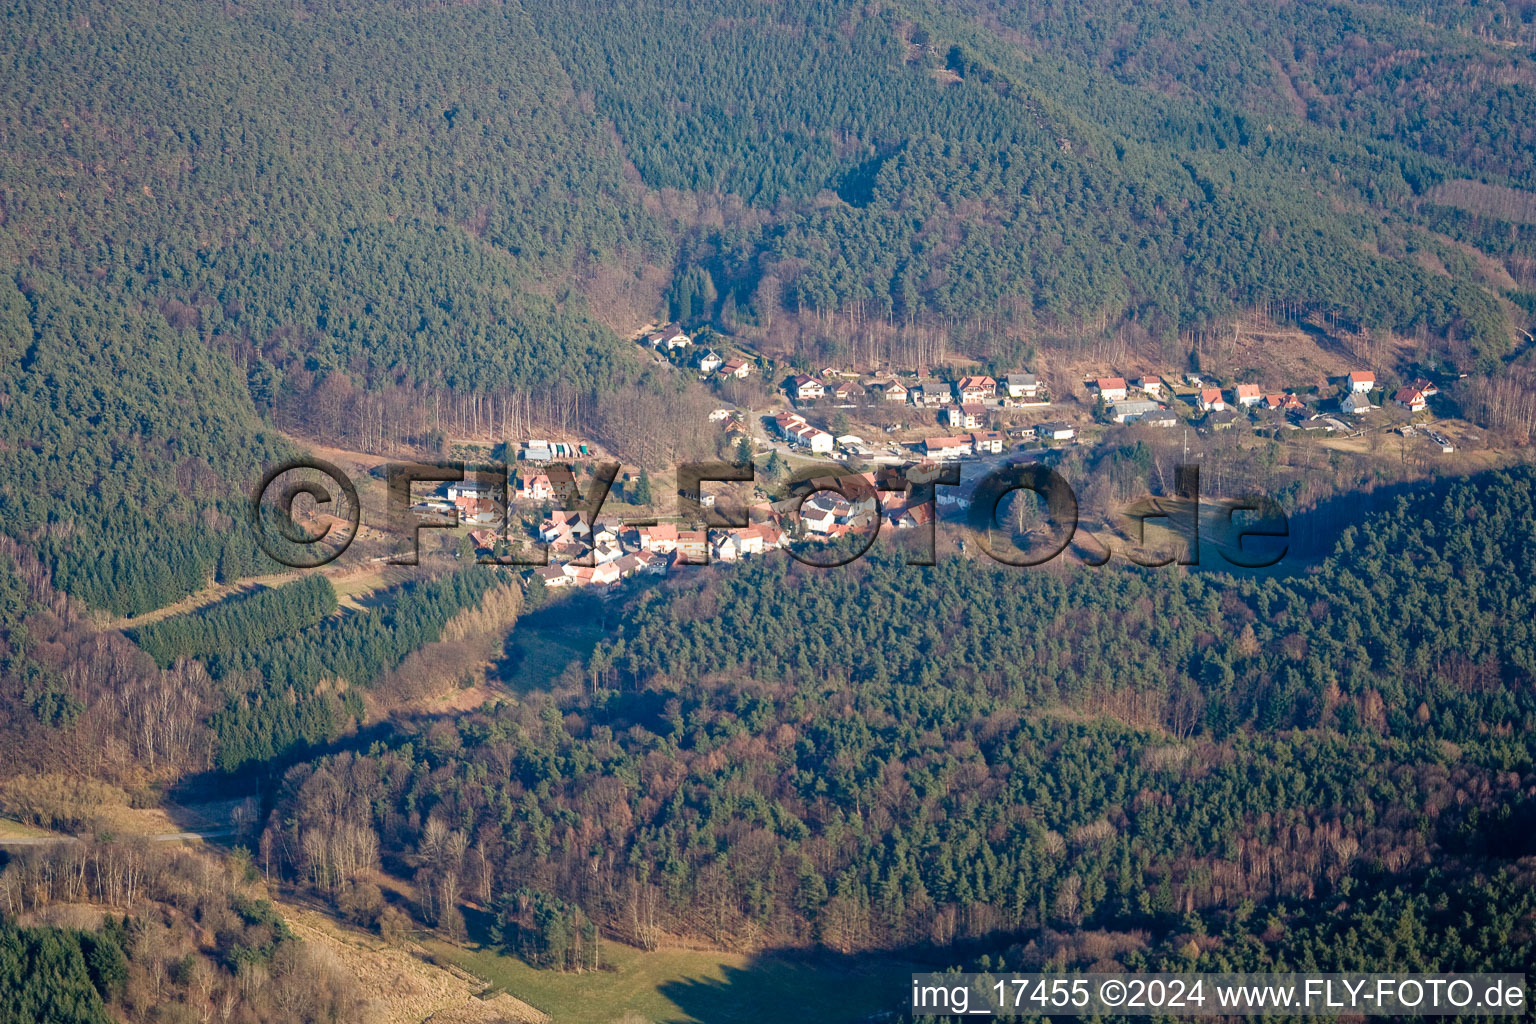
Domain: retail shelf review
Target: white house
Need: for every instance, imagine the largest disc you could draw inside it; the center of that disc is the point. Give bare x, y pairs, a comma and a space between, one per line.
946, 447
710, 361
1056, 431
1362, 380
1247, 395
963, 417
805, 388
672, 336
974, 389
469, 489
1021, 385
1411, 398
1111, 389
1210, 400
1355, 403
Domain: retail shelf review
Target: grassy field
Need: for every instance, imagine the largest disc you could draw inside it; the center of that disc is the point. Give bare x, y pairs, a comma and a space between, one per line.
17, 830
681, 986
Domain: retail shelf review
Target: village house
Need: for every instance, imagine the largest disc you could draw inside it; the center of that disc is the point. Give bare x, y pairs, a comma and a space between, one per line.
607, 550
797, 431
1362, 381
847, 391
532, 486
737, 368
946, 447
553, 576
1160, 418
1111, 389
974, 389
660, 539
963, 417
1055, 431
1131, 408
672, 336
1245, 395
469, 489
1286, 402
929, 394
1218, 419
709, 361
733, 545
484, 540
807, 389
1355, 404
908, 516
1424, 386
478, 511
563, 527
562, 484
891, 390
1210, 400
1021, 385
990, 443
1411, 398
693, 546
1150, 386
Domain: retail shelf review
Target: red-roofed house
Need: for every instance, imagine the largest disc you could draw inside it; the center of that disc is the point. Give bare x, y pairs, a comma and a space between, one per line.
1210, 400
806, 389
1362, 380
975, 389
738, 368
1411, 398
1247, 394
1111, 389
946, 447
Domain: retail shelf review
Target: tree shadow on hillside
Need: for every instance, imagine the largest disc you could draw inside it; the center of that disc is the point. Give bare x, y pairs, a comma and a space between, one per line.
810, 987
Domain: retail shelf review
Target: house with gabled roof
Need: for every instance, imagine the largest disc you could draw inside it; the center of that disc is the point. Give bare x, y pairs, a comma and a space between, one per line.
1111, 389
1355, 404
805, 388
946, 447
963, 417
1021, 385
737, 368
974, 389
1411, 398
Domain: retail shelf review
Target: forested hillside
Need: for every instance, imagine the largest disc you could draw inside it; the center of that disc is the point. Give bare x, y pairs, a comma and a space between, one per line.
885, 756
385, 223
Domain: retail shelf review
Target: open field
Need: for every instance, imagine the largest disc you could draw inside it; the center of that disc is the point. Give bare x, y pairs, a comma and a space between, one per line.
400, 986
686, 985
18, 830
